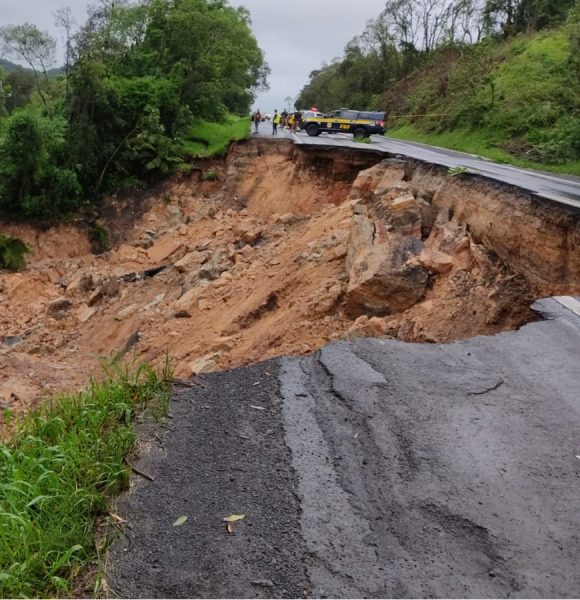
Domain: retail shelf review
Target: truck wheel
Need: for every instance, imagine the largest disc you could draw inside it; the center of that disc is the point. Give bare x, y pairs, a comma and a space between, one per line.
360, 132
312, 130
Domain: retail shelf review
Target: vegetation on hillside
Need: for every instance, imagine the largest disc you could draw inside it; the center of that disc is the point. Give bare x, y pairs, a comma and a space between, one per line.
12, 252
500, 78
139, 76
206, 139
58, 474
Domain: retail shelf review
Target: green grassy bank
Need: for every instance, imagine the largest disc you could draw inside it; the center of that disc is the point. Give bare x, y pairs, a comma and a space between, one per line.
514, 101
477, 142
58, 474
206, 140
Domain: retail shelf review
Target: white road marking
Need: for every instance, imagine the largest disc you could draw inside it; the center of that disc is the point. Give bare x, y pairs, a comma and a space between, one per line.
570, 303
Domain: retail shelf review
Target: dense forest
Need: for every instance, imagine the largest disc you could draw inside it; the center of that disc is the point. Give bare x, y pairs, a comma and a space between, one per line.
137, 76
505, 73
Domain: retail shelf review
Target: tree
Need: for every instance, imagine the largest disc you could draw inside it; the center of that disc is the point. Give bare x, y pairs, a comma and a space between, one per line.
3, 94
519, 16
64, 20
138, 73
34, 184
19, 86
37, 48
144, 71
573, 28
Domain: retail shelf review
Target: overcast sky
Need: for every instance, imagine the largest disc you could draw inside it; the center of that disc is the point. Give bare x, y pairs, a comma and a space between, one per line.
296, 35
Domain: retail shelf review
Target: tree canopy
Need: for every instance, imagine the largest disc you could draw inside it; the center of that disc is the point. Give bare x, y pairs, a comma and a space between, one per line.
407, 32
138, 74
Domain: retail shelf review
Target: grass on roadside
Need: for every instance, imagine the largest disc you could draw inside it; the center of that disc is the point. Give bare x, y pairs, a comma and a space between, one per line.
205, 140
58, 473
476, 142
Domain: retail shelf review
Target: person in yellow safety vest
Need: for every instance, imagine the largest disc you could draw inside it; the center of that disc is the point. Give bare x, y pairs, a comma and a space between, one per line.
275, 122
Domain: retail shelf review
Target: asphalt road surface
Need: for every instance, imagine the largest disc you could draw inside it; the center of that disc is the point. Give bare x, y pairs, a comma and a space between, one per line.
560, 188
373, 468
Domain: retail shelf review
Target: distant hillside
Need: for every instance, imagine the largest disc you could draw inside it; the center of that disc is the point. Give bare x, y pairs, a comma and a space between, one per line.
505, 84
10, 67
520, 97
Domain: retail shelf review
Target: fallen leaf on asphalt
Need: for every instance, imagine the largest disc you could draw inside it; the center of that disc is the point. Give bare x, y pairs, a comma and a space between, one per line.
234, 518
231, 520
257, 383
257, 407
180, 522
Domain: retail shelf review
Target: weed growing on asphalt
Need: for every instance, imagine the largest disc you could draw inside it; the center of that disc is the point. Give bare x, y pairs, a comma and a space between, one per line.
456, 171
58, 473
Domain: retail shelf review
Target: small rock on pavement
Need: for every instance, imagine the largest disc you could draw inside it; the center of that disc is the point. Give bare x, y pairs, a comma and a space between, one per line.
205, 364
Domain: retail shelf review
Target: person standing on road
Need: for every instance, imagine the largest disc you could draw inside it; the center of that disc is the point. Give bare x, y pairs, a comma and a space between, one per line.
284, 119
297, 117
275, 122
257, 120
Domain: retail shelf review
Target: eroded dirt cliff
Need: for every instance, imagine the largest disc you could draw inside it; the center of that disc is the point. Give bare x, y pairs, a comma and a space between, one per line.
288, 250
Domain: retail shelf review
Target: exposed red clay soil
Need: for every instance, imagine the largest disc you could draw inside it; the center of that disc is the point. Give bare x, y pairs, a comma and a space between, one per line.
290, 250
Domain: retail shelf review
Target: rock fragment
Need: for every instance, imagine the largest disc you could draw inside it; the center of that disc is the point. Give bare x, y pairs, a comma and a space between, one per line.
59, 309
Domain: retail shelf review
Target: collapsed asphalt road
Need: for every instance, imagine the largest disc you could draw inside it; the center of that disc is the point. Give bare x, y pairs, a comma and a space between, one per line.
374, 468
564, 189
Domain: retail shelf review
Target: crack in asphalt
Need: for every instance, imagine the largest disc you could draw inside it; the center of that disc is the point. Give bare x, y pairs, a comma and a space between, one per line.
488, 390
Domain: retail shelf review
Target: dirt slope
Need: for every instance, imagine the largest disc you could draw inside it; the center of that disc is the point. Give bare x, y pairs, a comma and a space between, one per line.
289, 250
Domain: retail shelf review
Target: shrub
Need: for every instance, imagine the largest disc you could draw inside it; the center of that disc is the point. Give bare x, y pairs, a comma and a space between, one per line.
35, 182
210, 175
12, 253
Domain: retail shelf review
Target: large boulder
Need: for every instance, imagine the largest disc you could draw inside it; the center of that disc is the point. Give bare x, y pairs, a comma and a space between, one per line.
384, 276
249, 232
400, 213
377, 179
449, 237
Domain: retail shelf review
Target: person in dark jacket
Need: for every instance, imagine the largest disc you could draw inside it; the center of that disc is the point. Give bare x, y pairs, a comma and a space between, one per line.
296, 121
257, 120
